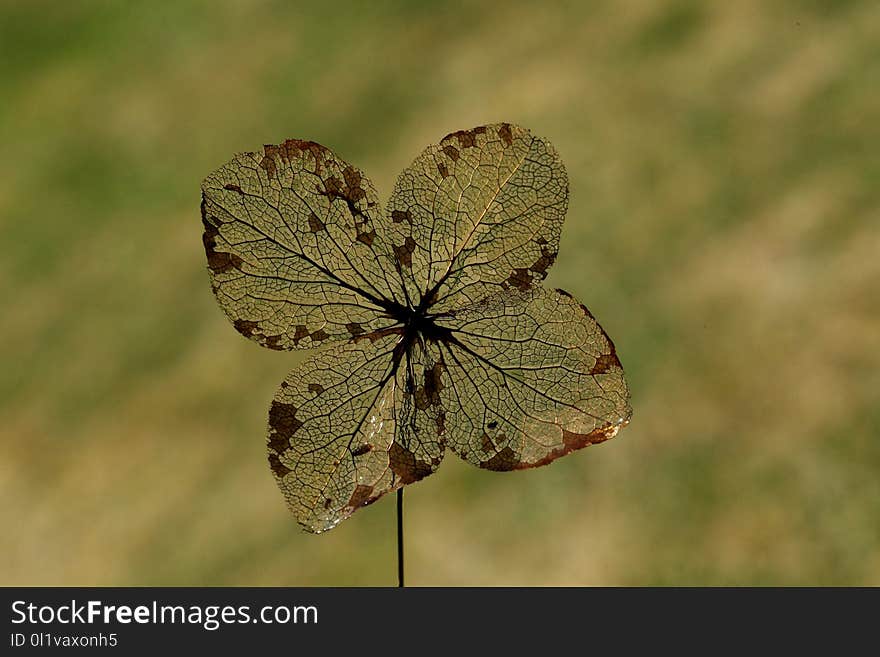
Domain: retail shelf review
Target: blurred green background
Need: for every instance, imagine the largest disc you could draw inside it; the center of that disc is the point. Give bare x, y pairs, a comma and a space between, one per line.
724, 227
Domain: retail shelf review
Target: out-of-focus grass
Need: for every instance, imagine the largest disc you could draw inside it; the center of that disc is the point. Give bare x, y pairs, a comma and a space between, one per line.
724, 227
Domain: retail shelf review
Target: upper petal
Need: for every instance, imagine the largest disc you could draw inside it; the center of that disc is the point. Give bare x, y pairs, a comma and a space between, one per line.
480, 211
295, 246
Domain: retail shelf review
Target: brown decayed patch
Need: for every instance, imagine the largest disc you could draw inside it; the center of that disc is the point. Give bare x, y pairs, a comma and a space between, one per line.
570, 442
486, 443
319, 335
278, 468
282, 418
441, 167
428, 394
355, 329
218, 262
251, 330
270, 152
245, 327
353, 179
520, 279
349, 189
233, 188
273, 342
466, 138
440, 421
361, 496
405, 465
421, 399
397, 216
604, 363
361, 450
543, 263
316, 389
573, 441
300, 333
315, 224
404, 252
434, 383
292, 148
506, 134
451, 152
502, 461
367, 238
268, 161
333, 187
278, 443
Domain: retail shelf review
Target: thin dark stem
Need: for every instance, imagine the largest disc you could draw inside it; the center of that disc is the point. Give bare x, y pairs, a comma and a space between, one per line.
400, 537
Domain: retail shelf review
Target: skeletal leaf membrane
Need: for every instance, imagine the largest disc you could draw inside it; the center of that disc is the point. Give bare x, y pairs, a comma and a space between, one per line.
344, 429
478, 212
530, 376
293, 246
433, 327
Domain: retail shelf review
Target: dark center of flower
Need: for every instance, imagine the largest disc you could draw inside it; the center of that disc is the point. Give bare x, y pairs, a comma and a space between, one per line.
418, 321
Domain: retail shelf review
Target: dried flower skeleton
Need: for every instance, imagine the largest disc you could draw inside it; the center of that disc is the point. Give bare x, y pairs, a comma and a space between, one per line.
432, 327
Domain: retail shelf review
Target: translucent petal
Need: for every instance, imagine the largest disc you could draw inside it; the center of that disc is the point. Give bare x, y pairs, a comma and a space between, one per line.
355, 421
296, 247
479, 212
529, 377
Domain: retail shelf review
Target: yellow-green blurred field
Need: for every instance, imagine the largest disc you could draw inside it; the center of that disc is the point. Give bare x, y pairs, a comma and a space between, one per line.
724, 227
